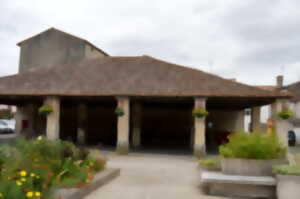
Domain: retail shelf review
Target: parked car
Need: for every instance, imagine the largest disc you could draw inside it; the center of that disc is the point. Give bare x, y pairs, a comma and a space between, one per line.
7, 127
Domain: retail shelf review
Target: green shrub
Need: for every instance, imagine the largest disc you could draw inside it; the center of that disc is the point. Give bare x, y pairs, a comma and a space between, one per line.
45, 109
285, 114
200, 112
286, 170
252, 146
209, 162
119, 112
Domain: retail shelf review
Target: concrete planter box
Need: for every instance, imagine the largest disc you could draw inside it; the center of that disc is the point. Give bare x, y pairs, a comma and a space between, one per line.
209, 168
288, 187
249, 167
99, 180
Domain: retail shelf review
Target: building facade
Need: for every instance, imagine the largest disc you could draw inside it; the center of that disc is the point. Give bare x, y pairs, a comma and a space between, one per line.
84, 86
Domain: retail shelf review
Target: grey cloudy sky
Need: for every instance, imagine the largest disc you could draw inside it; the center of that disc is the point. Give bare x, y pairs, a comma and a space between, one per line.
249, 40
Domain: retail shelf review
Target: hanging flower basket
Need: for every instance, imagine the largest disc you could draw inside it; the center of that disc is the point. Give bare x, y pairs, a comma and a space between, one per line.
45, 109
200, 112
119, 112
285, 114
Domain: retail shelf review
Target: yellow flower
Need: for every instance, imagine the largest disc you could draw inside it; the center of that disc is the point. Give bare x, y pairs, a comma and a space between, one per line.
18, 183
38, 194
29, 194
32, 174
23, 179
1, 195
40, 138
23, 173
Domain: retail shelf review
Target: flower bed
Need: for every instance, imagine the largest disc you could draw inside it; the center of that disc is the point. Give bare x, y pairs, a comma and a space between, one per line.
37, 168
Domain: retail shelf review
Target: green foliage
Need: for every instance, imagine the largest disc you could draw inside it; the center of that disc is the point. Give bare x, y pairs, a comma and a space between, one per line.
209, 162
200, 112
40, 166
45, 109
287, 170
285, 114
119, 112
252, 146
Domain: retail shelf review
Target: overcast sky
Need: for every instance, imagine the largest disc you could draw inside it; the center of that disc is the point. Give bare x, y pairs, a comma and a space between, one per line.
251, 40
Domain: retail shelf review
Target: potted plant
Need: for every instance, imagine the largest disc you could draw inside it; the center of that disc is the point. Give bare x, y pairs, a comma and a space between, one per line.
288, 181
119, 112
251, 154
210, 165
285, 114
200, 112
45, 109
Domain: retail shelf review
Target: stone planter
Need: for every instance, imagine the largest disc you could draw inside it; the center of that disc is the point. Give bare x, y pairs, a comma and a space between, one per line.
288, 187
99, 180
209, 168
249, 167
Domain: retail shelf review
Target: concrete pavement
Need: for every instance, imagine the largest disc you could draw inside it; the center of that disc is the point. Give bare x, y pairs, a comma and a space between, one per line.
147, 176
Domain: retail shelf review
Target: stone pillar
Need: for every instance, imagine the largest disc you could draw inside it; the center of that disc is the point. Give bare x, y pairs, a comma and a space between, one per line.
25, 120
255, 119
52, 129
240, 121
281, 126
199, 123
137, 124
123, 126
82, 119
19, 119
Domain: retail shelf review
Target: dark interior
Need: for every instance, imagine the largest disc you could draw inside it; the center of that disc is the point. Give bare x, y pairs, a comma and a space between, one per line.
101, 122
166, 126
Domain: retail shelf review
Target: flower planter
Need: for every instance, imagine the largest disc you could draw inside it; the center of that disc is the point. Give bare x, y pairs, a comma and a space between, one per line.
288, 187
249, 167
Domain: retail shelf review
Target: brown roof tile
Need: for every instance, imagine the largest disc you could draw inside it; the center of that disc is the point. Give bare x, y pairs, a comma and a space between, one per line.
128, 76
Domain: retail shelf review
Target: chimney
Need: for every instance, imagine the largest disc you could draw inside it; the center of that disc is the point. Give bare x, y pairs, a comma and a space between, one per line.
279, 81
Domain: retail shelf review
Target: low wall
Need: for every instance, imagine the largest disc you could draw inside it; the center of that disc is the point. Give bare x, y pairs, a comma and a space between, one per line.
99, 180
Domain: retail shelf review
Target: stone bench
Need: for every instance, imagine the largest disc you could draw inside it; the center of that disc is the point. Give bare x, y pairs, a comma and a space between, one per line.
217, 183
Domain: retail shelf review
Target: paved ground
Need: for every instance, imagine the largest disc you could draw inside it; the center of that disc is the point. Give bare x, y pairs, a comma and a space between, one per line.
146, 176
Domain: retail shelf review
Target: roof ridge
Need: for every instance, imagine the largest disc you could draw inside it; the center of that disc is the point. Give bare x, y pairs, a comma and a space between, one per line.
292, 84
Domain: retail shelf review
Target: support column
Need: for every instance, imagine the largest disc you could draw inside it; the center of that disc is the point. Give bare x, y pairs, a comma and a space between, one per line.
255, 119
137, 124
281, 126
19, 119
25, 120
82, 118
123, 126
52, 129
199, 123
239, 121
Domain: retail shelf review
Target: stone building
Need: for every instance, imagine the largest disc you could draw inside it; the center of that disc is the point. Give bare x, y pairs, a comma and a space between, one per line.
84, 85
293, 103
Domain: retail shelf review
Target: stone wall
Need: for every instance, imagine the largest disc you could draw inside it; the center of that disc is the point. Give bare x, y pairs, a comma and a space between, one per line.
54, 47
227, 120
50, 48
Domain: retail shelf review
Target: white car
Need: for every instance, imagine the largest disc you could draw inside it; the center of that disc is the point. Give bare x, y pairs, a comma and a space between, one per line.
7, 126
